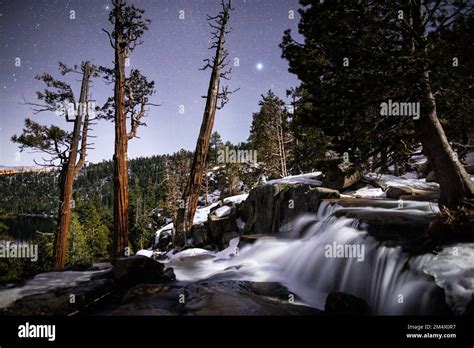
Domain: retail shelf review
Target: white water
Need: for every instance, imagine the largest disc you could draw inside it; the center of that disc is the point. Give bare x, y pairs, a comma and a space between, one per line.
392, 282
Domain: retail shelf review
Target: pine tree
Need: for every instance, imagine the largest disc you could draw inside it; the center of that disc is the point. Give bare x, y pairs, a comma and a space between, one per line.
67, 151
270, 136
130, 101
356, 56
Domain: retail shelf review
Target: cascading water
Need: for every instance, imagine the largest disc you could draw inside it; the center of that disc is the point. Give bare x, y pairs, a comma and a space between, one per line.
303, 259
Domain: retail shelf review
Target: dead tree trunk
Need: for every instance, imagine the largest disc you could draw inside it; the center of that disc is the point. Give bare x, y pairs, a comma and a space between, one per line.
70, 170
456, 187
190, 196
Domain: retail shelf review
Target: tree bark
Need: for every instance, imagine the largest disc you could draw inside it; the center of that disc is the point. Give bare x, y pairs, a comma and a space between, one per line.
456, 187
68, 174
190, 196
120, 241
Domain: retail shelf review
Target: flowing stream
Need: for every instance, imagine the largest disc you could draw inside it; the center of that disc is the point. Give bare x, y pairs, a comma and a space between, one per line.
306, 259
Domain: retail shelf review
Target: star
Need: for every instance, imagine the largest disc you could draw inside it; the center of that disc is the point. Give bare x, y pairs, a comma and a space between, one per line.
259, 66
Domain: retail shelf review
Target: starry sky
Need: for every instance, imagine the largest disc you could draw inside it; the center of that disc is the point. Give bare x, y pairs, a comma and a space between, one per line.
41, 33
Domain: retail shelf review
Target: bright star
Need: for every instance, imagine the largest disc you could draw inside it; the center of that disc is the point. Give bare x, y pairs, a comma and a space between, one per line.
259, 66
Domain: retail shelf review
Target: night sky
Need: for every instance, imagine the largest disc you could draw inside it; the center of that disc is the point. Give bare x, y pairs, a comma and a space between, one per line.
41, 33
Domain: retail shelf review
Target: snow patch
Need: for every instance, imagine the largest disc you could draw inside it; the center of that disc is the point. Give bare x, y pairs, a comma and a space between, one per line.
236, 199
201, 214
223, 211
190, 253
144, 252
307, 178
409, 179
453, 270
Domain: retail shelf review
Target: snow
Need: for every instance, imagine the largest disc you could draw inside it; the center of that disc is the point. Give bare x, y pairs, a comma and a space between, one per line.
408, 179
369, 192
230, 251
201, 214
168, 227
236, 199
190, 253
223, 211
453, 270
214, 196
144, 252
240, 224
307, 178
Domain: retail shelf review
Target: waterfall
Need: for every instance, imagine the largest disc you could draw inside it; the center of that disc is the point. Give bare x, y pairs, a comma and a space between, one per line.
311, 259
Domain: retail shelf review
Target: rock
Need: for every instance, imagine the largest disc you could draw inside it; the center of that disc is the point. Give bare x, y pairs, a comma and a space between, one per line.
341, 303
470, 308
226, 238
201, 234
395, 227
271, 206
250, 239
78, 267
143, 290
129, 271
431, 177
396, 191
224, 297
58, 302
341, 176
223, 229
165, 240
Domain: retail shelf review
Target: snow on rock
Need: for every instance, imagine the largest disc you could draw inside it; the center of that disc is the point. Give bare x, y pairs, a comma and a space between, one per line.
307, 178
236, 199
409, 179
167, 228
223, 211
369, 192
230, 251
190, 253
453, 270
144, 252
201, 214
